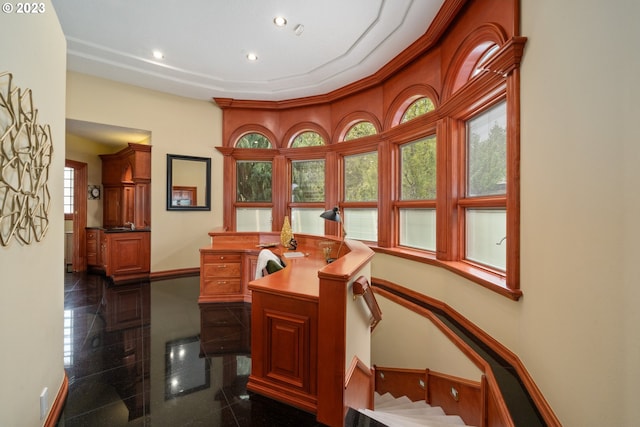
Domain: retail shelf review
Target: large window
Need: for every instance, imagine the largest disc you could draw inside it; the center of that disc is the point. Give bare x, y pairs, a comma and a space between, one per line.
253, 195
307, 196
417, 204
486, 172
360, 212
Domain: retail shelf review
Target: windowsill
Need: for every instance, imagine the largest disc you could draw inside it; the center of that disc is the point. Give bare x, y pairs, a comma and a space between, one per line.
491, 281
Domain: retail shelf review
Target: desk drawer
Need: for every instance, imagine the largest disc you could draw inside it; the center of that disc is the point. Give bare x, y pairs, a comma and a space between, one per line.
220, 285
210, 258
221, 269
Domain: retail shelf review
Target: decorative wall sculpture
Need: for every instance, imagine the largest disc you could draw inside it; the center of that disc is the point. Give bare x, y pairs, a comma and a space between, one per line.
25, 156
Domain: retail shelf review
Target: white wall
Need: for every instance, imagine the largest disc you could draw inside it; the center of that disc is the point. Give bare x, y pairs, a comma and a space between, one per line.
178, 126
575, 328
33, 49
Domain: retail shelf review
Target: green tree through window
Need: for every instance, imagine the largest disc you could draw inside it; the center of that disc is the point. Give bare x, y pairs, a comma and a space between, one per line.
417, 108
419, 170
253, 140
307, 139
360, 130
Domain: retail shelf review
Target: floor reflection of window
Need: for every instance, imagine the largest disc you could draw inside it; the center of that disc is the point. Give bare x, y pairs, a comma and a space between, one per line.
68, 338
186, 371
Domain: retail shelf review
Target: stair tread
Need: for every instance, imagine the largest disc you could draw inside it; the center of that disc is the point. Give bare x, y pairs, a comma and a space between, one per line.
393, 420
427, 410
403, 412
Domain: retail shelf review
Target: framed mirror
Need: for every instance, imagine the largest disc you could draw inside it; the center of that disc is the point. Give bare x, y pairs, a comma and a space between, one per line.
188, 183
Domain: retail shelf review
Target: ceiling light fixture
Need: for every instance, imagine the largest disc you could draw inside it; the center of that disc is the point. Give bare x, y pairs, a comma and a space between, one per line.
280, 21
298, 29
158, 55
252, 57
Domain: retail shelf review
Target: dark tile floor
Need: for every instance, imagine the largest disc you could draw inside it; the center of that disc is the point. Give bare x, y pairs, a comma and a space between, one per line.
134, 357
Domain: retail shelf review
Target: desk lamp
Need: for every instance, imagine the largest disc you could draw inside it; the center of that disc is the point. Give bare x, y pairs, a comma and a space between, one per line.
334, 215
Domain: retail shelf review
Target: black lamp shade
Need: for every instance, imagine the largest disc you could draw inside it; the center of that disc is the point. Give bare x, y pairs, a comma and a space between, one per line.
332, 215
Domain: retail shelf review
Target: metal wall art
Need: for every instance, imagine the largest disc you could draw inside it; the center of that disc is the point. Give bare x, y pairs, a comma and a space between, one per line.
25, 156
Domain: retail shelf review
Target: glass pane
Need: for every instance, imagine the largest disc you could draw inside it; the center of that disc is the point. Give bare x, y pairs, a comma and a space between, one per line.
68, 190
361, 224
253, 181
418, 166
307, 139
307, 221
417, 108
486, 237
487, 152
360, 130
483, 59
418, 228
307, 181
253, 140
253, 219
361, 177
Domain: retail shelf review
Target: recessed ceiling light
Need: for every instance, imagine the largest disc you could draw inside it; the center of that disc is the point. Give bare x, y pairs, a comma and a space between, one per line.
299, 29
158, 55
280, 21
252, 57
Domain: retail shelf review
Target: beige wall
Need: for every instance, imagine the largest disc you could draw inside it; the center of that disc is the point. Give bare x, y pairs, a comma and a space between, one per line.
33, 49
575, 328
178, 126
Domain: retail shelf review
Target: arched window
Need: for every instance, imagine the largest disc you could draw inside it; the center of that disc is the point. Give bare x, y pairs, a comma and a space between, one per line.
308, 139
359, 130
254, 140
483, 59
417, 108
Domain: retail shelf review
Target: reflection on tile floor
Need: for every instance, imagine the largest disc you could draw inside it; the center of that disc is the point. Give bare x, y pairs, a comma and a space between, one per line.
135, 355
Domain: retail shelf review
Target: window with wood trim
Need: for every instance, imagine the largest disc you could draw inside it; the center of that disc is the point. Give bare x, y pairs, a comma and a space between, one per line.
360, 130
360, 196
308, 139
484, 202
307, 196
416, 206
417, 108
253, 187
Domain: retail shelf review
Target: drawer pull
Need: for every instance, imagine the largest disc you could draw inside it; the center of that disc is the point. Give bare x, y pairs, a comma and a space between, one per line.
222, 282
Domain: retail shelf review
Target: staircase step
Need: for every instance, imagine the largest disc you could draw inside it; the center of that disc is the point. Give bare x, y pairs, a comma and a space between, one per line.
402, 412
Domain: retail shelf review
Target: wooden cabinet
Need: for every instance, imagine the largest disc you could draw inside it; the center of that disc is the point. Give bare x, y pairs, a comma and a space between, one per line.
284, 351
221, 278
128, 254
111, 212
93, 247
121, 256
126, 177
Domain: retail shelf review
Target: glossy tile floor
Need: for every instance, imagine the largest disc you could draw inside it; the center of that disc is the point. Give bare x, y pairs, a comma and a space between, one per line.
134, 357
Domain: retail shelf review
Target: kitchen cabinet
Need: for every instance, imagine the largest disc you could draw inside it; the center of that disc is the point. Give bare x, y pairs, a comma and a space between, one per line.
121, 255
126, 177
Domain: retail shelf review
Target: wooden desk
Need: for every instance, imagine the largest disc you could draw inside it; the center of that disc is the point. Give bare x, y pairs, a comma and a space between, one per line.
299, 317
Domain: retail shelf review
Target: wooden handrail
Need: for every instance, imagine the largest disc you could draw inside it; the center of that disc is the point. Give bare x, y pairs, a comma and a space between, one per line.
362, 288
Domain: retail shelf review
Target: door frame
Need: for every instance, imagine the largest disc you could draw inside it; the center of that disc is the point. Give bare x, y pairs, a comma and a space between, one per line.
79, 218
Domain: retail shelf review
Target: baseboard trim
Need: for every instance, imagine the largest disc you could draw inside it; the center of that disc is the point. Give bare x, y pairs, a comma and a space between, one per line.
58, 404
175, 274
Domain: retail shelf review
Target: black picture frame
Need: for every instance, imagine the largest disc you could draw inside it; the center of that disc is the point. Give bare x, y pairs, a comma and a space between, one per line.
204, 182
